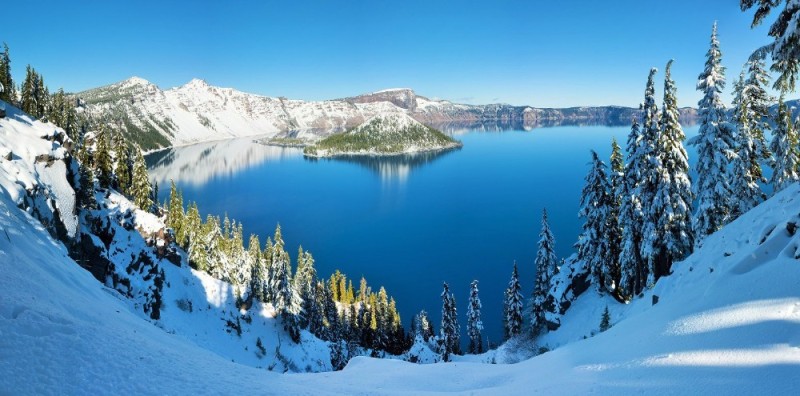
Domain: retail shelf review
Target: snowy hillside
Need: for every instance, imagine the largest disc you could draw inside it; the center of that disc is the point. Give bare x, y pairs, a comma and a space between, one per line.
198, 112
383, 135
726, 321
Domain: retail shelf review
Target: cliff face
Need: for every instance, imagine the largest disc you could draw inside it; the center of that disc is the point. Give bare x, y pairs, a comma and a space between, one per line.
197, 112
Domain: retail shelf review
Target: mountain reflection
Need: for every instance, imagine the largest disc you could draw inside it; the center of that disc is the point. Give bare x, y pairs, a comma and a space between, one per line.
199, 163
392, 167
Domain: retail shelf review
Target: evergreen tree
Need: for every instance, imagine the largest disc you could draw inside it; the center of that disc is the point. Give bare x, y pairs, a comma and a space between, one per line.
449, 333
331, 315
605, 321
614, 228
754, 93
175, 215
257, 269
474, 322
546, 265
512, 306
594, 247
42, 98
633, 272
8, 93
85, 194
715, 143
28, 95
669, 237
305, 281
785, 49
784, 147
140, 182
746, 170
122, 165
422, 326
102, 159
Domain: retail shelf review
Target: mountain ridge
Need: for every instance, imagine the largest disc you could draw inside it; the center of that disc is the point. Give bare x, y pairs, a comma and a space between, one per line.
197, 112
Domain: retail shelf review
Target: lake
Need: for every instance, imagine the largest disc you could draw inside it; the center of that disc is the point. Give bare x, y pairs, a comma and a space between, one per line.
407, 223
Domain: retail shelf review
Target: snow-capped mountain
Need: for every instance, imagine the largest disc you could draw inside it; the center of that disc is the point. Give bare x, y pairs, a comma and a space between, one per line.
197, 112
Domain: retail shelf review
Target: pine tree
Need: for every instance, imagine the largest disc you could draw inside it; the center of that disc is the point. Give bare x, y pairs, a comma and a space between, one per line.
331, 313
102, 160
284, 298
785, 49
746, 170
122, 165
512, 306
28, 98
614, 228
594, 247
784, 148
140, 182
449, 333
422, 327
85, 194
42, 98
7, 94
669, 238
175, 215
546, 264
474, 322
305, 281
715, 143
257, 269
605, 321
633, 272
755, 94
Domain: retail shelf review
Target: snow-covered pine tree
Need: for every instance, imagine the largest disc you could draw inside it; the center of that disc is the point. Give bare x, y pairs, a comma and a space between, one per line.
305, 281
27, 101
745, 169
422, 326
593, 246
512, 306
175, 215
122, 164
102, 159
140, 181
8, 93
331, 313
546, 262
715, 144
785, 49
633, 271
616, 178
784, 149
285, 299
650, 173
759, 101
450, 333
670, 211
257, 269
474, 322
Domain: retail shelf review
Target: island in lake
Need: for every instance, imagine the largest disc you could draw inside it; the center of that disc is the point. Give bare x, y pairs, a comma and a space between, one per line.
389, 134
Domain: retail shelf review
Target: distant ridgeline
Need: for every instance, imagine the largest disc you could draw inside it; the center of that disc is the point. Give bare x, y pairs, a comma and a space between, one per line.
383, 135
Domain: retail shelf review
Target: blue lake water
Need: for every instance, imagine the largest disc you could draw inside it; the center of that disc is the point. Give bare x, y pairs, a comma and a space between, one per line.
408, 224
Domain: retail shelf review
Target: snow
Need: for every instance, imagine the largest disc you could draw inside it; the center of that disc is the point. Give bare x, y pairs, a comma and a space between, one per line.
726, 321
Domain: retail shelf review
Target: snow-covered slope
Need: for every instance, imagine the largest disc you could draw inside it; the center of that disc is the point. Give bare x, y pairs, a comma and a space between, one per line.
197, 112
733, 330
726, 320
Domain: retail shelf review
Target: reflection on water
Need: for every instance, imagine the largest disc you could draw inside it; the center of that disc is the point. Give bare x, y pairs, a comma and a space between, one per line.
393, 167
199, 163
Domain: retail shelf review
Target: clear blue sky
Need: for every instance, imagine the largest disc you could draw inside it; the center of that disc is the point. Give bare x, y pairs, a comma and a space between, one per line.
542, 53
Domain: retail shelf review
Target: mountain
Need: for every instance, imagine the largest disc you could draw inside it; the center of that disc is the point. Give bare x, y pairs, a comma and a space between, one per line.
389, 134
197, 112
